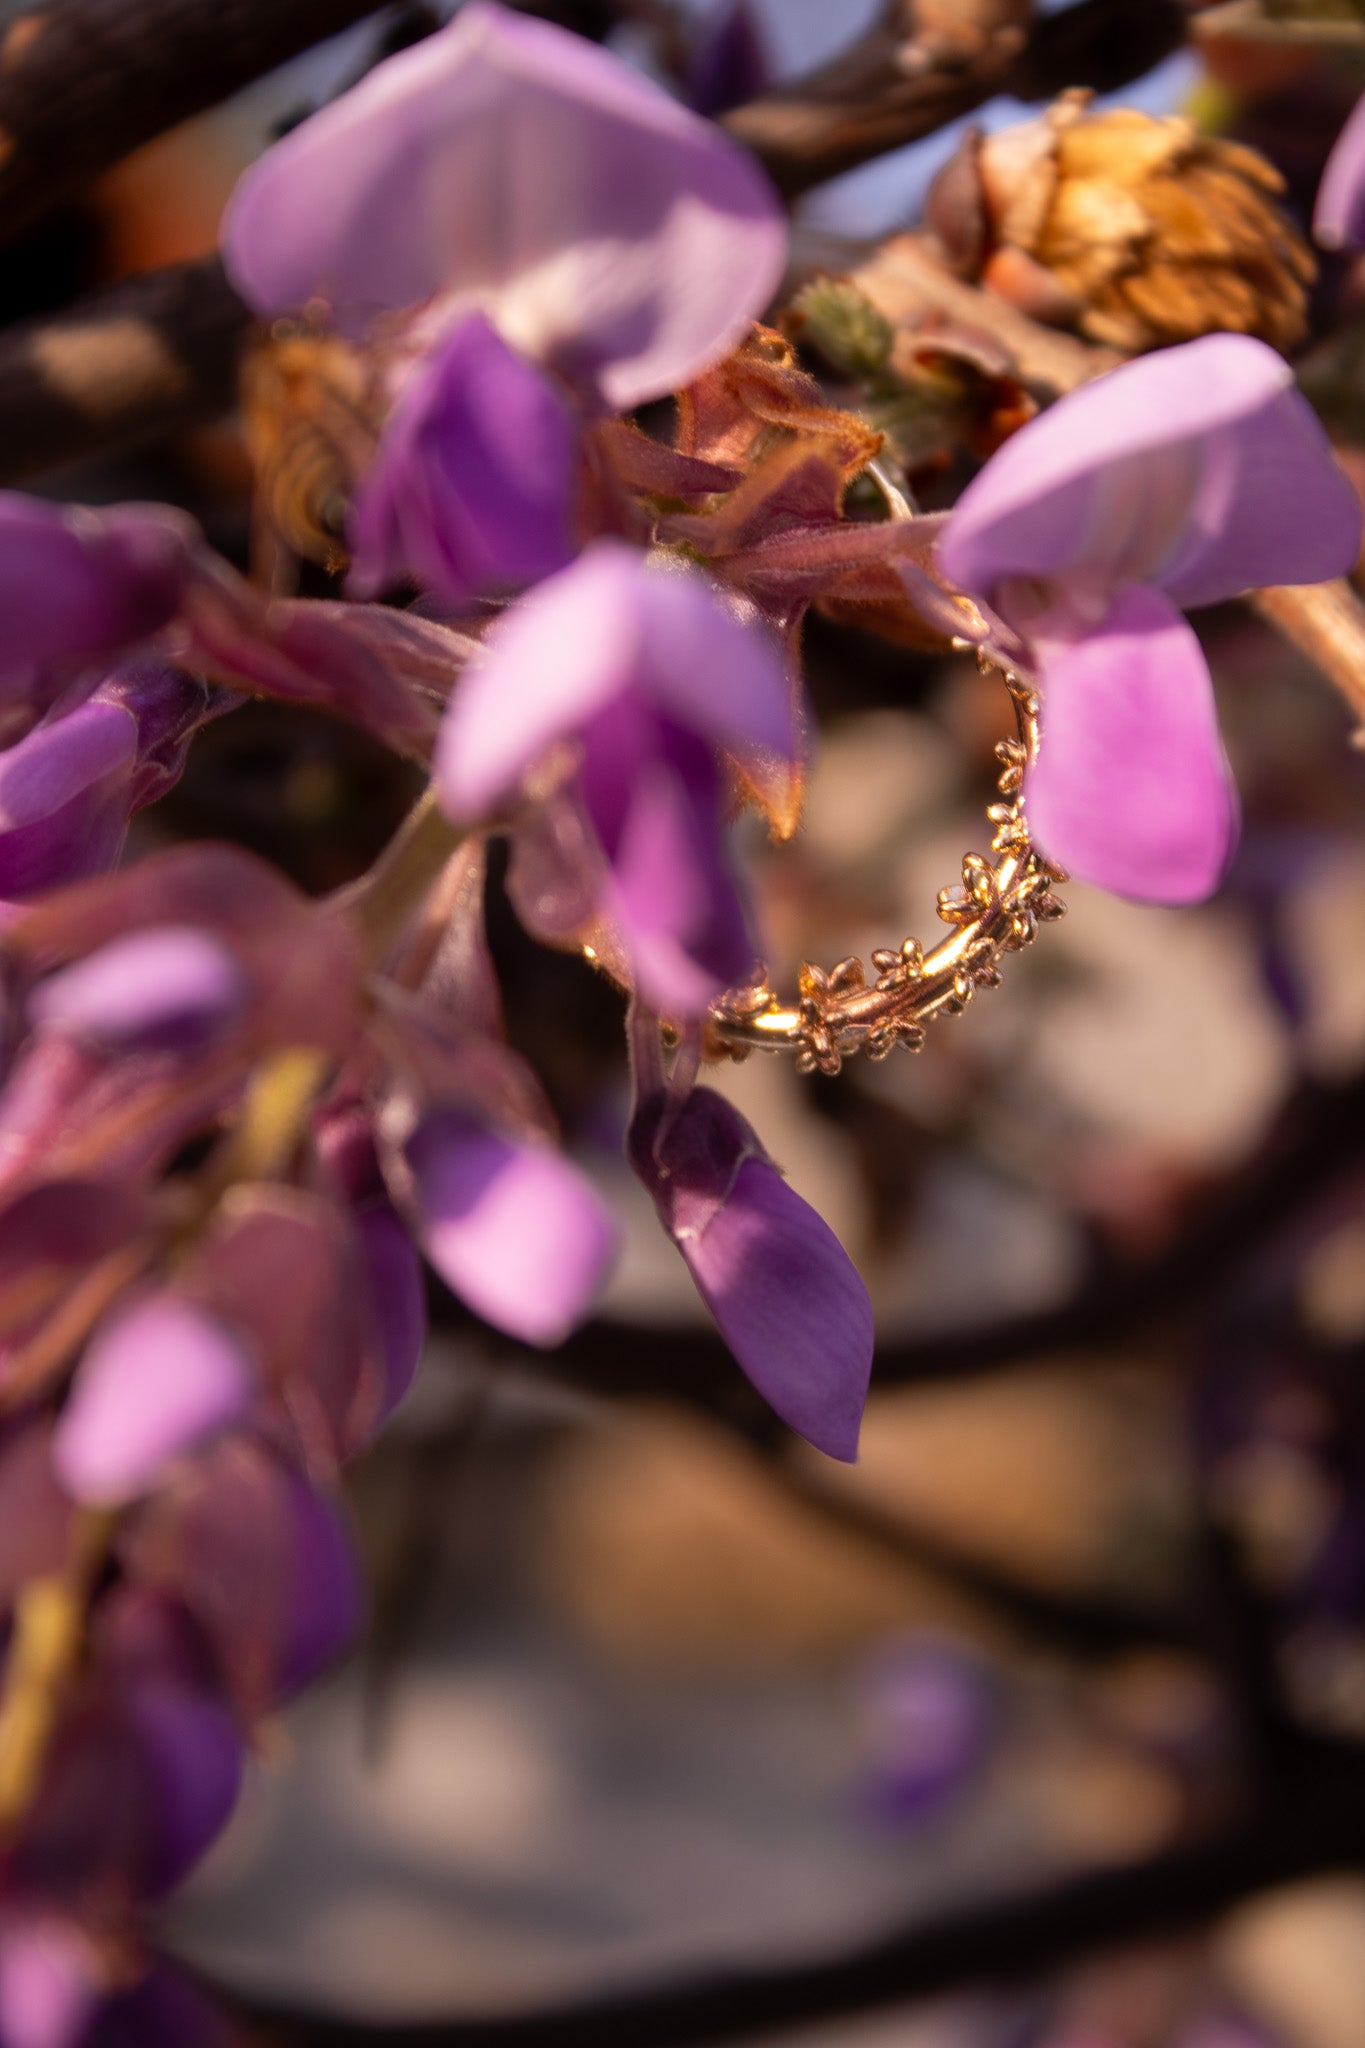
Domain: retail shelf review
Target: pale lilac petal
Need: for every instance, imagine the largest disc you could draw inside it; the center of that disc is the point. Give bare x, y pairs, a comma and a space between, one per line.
399, 1298
511, 1226
1339, 210
1199, 468
786, 1297
616, 235
47, 1989
167, 986
470, 486
608, 625
66, 793
1131, 789
158, 1380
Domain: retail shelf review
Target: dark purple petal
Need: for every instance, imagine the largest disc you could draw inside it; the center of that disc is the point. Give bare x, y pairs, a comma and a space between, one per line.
262, 1561
615, 235
194, 1764
471, 482
165, 988
158, 1380
398, 1297
66, 794
1339, 210
728, 63
607, 626
163, 2011
324, 1595
77, 585
786, 1297
510, 1225
1198, 468
1131, 789
168, 707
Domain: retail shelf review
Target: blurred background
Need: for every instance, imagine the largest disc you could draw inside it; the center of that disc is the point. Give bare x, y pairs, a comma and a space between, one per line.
1045, 1725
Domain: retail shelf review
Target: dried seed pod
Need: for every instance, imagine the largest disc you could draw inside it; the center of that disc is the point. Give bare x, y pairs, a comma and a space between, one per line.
1137, 231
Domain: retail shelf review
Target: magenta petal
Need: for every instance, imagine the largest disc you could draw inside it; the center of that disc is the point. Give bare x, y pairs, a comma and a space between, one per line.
607, 625
1131, 789
511, 1226
47, 1989
66, 791
320, 1591
1339, 210
470, 485
167, 986
785, 1295
1199, 468
158, 1380
616, 236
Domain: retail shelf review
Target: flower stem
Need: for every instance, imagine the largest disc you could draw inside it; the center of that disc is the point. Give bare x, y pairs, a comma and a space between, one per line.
49, 1629
382, 901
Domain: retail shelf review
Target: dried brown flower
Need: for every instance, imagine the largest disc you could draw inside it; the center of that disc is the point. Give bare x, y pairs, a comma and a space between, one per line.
1137, 231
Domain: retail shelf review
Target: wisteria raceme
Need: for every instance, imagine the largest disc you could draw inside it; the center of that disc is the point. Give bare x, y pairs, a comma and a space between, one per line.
235, 1119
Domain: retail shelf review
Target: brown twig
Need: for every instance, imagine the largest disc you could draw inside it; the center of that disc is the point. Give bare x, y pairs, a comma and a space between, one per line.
928, 62
83, 82
1312, 1820
145, 359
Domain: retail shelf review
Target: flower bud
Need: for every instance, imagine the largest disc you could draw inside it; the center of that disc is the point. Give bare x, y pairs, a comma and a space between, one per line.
1136, 230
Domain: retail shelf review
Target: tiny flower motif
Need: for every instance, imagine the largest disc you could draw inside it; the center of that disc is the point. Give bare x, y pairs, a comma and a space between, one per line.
1339, 211
616, 243
650, 671
510, 1225
159, 1380
785, 1295
1177, 480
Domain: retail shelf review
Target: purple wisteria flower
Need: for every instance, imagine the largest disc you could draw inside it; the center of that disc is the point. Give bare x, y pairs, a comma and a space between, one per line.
785, 1295
160, 1380
471, 486
77, 587
579, 232
510, 1224
648, 670
1339, 210
1177, 480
